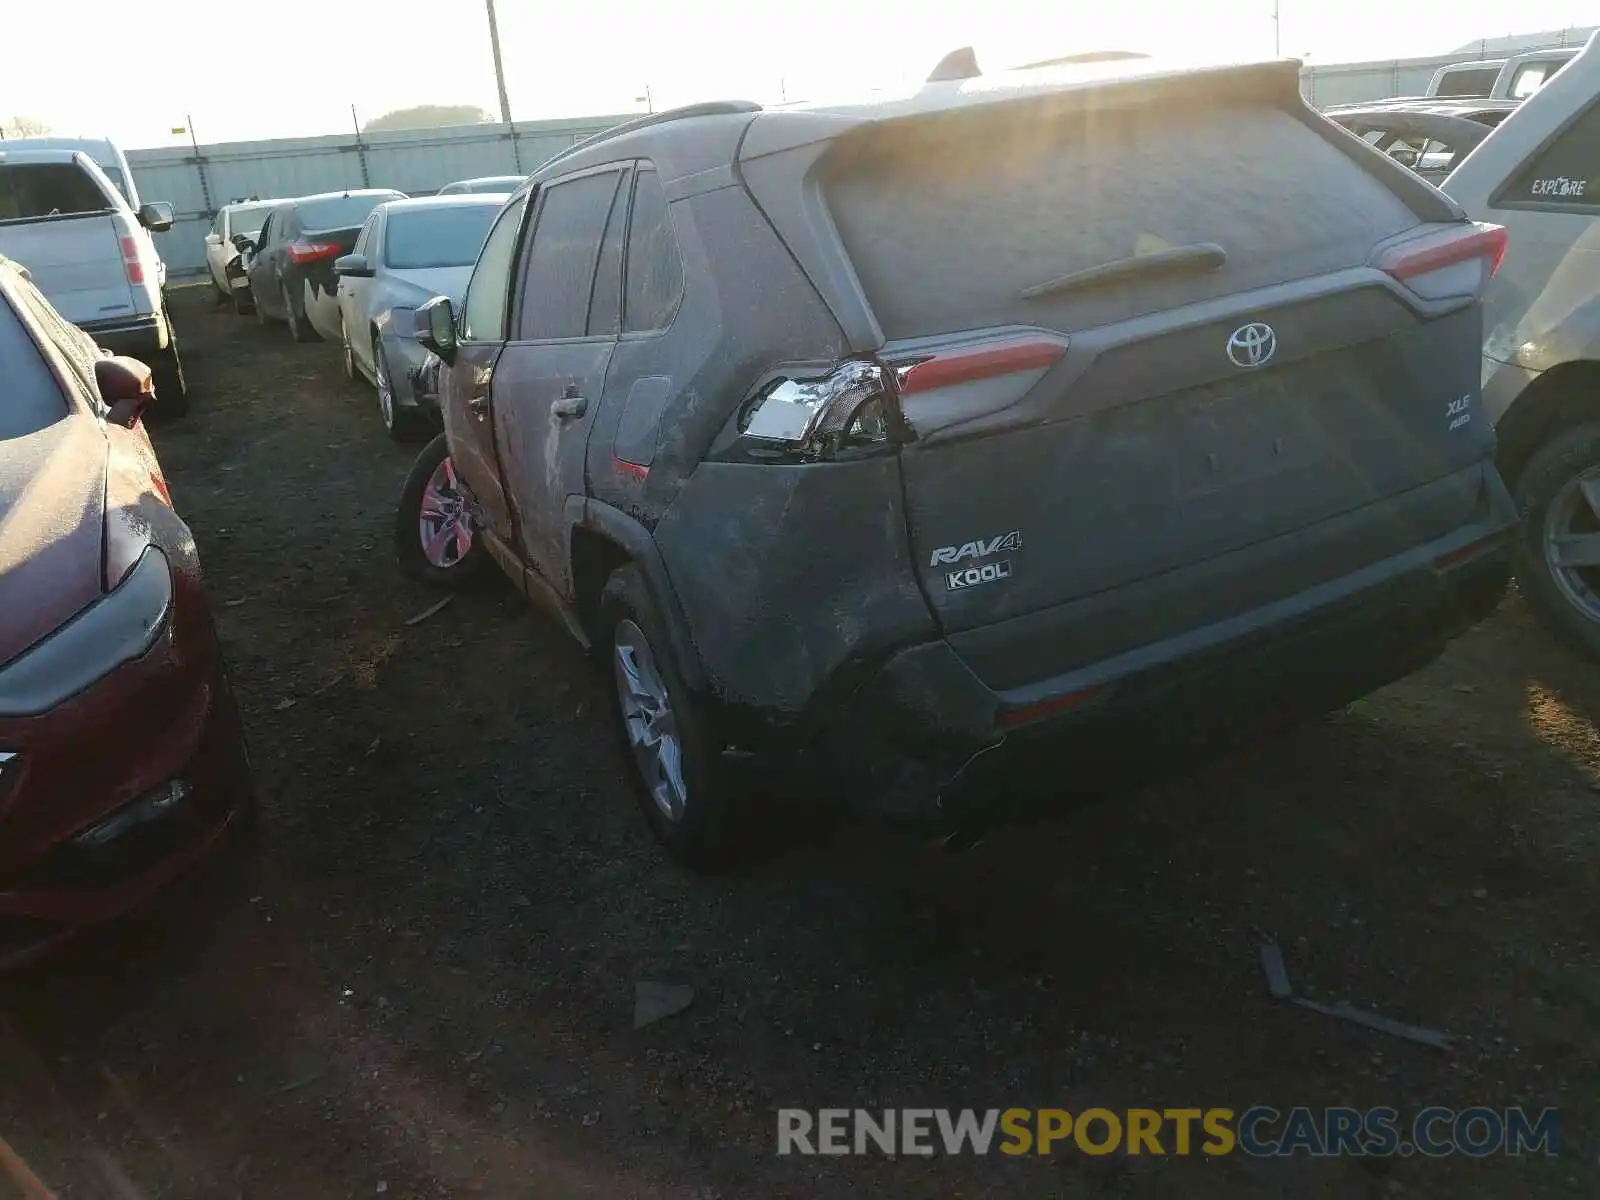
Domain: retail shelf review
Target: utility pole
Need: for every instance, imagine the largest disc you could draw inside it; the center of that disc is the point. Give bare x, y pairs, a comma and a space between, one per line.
499, 67
1277, 29
200, 166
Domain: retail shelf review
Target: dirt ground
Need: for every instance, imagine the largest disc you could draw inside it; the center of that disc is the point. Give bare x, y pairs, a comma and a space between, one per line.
423, 985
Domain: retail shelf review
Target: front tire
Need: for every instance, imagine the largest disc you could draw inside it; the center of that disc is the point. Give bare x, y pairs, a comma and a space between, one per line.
400, 424
299, 328
674, 761
172, 387
436, 526
1558, 548
350, 371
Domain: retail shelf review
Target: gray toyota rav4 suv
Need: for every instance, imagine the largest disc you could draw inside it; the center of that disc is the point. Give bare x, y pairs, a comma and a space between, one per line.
1085, 407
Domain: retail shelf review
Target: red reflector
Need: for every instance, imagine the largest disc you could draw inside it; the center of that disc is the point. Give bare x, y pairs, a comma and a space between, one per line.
130, 260
1470, 551
948, 368
1477, 240
311, 251
1015, 718
631, 469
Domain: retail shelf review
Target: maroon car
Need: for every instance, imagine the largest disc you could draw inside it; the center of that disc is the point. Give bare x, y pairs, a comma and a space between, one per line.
122, 762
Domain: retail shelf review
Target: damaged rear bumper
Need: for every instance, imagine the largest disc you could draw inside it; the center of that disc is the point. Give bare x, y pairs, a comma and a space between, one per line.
924, 740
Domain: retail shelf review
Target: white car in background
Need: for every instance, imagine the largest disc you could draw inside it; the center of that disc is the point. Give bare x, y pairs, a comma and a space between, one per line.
1538, 175
108, 156
485, 184
92, 257
242, 218
408, 252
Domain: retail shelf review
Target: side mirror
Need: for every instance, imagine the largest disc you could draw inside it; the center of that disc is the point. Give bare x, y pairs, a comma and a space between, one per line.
126, 385
156, 216
436, 327
353, 265
213, 239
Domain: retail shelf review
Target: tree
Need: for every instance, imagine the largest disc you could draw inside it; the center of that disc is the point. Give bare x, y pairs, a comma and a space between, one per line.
427, 116
17, 127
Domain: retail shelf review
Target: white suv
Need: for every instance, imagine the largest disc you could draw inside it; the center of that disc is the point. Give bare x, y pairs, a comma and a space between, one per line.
92, 257
1538, 175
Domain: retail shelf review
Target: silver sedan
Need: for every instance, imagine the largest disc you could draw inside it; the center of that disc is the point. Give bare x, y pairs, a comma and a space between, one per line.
408, 252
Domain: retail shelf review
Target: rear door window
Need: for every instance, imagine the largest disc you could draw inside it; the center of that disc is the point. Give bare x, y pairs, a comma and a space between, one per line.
1565, 173
559, 266
655, 270
31, 191
605, 309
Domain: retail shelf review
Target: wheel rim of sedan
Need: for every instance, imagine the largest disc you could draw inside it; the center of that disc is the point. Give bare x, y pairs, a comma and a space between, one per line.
648, 718
1572, 541
380, 369
448, 519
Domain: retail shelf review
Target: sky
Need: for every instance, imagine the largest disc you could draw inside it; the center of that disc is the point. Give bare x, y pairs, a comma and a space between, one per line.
242, 71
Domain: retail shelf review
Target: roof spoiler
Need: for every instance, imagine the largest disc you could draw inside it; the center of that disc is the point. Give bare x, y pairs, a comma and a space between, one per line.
958, 64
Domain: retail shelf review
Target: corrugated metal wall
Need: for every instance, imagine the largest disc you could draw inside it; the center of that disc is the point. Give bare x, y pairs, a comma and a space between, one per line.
415, 161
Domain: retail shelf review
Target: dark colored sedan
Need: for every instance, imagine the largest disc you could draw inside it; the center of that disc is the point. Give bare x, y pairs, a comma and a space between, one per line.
122, 761
290, 265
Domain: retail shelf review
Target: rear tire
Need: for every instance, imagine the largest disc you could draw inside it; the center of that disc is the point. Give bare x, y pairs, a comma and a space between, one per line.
432, 482
1551, 503
683, 788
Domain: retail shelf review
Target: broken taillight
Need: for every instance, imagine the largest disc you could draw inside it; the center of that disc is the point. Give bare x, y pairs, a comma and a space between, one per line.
849, 406
303, 251
1458, 261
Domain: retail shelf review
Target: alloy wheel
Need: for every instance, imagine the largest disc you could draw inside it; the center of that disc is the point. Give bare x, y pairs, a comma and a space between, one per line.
1572, 541
651, 725
380, 369
448, 519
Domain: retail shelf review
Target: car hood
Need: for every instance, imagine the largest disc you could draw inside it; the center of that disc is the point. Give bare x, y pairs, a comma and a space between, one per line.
52, 521
414, 287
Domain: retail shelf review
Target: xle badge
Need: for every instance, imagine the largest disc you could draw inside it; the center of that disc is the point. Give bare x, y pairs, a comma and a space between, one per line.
973, 576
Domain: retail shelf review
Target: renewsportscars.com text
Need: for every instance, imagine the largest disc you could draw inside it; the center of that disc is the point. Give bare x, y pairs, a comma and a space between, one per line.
1260, 1131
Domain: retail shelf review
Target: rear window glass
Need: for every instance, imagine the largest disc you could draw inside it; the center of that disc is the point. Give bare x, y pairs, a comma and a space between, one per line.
339, 212
1476, 82
248, 218
1565, 173
948, 220
31, 398
29, 191
439, 237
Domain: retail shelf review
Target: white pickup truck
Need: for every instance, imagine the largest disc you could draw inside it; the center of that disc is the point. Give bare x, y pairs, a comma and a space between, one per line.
92, 257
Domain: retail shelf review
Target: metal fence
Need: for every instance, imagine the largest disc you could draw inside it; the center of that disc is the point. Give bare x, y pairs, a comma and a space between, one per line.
199, 181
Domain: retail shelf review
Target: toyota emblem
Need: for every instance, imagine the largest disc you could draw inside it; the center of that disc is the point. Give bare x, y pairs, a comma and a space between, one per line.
1252, 345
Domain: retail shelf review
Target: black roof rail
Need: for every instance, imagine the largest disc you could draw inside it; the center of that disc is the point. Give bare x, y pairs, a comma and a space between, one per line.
707, 108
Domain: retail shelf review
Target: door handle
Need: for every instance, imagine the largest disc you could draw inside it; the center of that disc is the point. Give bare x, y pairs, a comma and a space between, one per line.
570, 405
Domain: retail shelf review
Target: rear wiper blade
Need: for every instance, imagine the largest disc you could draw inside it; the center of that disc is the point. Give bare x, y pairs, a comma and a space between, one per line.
1199, 256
